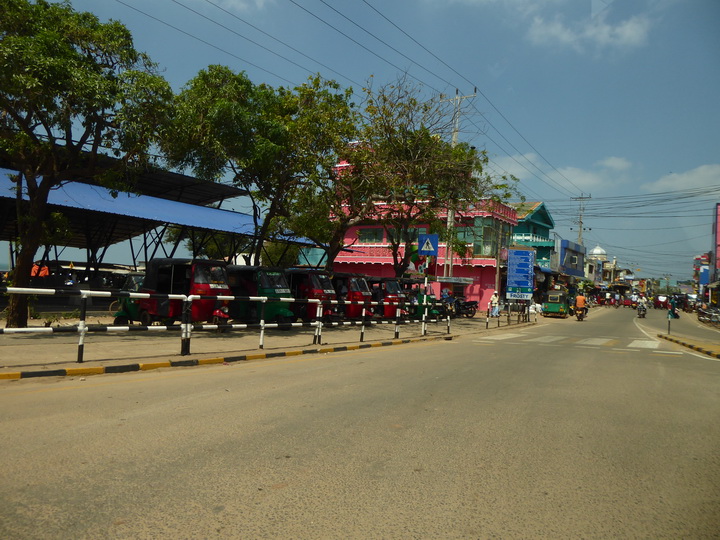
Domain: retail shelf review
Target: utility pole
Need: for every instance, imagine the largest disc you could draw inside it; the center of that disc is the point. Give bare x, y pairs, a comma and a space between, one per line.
448, 264
582, 200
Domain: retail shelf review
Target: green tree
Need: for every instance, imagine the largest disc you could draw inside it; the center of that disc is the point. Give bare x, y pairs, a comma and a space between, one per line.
272, 142
71, 87
417, 172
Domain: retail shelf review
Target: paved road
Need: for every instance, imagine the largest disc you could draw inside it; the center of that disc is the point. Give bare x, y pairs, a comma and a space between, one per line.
562, 430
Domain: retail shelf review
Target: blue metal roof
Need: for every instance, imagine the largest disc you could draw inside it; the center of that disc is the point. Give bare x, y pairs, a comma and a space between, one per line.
98, 199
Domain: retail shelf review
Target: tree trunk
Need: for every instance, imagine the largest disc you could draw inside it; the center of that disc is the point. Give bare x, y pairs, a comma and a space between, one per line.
30, 224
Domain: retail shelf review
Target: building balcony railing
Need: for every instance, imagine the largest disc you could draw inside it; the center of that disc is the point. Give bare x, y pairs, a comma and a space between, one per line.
528, 237
381, 254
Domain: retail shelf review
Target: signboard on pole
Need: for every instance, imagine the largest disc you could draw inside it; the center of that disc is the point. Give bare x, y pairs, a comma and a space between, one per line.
428, 244
521, 274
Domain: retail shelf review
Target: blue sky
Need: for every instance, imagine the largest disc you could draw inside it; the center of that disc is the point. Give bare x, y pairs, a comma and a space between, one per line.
616, 100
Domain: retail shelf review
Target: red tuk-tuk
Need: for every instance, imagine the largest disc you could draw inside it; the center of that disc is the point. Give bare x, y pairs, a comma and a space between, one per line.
389, 291
189, 277
352, 288
311, 284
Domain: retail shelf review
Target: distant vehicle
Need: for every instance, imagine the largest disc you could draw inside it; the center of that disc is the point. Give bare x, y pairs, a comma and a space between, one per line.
556, 304
200, 277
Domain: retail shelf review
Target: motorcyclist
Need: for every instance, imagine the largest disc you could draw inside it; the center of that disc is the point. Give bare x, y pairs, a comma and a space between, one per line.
581, 303
449, 300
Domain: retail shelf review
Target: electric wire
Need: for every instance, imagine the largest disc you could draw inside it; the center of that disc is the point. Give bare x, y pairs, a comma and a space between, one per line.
280, 77
294, 49
475, 86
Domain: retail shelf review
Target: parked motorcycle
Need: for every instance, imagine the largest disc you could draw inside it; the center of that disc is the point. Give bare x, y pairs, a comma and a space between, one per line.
464, 308
641, 311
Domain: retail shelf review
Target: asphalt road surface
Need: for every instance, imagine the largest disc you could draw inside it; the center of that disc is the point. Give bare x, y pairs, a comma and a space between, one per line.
568, 429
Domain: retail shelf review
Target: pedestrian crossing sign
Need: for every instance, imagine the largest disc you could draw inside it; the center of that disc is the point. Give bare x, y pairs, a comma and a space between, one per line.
428, 244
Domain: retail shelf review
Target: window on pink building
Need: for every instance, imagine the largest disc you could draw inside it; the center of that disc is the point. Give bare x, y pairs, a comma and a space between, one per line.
371, 235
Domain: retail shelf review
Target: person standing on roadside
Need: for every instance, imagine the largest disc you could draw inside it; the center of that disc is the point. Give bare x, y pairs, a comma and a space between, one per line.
495, 305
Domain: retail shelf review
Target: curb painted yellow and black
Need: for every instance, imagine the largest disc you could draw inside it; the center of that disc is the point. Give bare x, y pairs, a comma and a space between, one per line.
713, 353
128, 368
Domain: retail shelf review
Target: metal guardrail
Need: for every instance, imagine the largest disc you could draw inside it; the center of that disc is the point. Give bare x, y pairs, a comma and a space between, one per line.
187, 327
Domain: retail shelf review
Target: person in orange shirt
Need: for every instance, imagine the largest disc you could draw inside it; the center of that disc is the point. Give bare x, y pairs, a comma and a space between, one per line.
581, 302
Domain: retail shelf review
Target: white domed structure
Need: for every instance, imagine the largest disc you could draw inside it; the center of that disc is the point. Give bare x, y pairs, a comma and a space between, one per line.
598, 253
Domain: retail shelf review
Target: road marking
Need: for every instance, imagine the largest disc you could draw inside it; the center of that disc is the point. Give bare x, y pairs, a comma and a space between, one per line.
545, 339
644, 344
595, 341
500, 337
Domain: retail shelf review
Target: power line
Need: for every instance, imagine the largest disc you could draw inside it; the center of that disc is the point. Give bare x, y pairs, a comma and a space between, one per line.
479, 91
294, 49
204, 41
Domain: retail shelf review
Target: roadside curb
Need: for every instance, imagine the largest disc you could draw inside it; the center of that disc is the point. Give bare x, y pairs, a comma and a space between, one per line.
128, 368
712, 353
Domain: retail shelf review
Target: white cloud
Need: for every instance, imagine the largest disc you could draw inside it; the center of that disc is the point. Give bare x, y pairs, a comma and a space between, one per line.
552, 182
615, 163
562, 22
700, 177
241, 5
595, 32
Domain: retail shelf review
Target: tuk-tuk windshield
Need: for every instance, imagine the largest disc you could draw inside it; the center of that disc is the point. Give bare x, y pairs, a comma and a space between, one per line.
393, 287
359, 284
321, 281
133, 282
273, 280
213, 275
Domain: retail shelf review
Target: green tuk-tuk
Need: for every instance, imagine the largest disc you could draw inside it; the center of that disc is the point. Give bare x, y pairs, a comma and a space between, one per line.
556, 304
127, 310
259, 281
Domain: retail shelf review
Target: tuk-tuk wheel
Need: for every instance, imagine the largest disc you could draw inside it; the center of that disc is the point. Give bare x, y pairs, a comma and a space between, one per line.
145, 318
281, 319
121, 320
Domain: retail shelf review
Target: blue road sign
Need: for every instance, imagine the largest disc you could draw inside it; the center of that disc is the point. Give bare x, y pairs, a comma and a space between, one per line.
428, 244
521, 274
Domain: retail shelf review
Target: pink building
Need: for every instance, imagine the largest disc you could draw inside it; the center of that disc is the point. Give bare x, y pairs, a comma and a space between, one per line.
487, 229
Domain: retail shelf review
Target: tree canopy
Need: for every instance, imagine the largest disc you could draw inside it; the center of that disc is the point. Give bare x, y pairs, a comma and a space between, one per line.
274, 142
71, 88
417, 173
